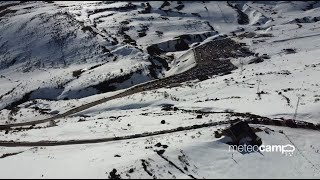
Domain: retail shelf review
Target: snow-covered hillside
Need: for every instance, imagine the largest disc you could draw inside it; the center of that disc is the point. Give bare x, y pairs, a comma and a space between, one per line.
85, 71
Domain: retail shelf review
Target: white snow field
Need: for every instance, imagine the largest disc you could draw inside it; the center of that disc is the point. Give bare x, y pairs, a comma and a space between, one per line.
56, 56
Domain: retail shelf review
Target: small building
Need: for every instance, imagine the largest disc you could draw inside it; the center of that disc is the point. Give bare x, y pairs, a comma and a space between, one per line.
241, 130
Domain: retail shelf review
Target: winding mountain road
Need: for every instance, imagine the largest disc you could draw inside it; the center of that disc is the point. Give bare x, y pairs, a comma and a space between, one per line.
211, 58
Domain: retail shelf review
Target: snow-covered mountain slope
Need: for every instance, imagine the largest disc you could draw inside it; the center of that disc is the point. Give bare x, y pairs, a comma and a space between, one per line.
197, 154
57, 56
78, 40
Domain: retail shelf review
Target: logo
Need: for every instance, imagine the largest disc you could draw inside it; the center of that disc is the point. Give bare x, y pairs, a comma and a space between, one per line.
287, 150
